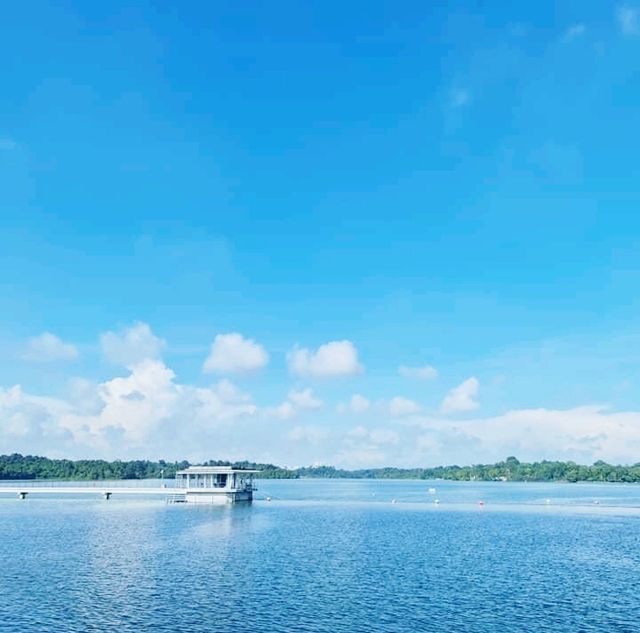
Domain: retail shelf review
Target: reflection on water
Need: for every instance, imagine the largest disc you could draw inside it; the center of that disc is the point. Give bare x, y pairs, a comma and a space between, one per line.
327, 556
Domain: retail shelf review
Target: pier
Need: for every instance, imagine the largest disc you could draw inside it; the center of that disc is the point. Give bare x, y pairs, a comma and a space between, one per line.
22, 490
196, 484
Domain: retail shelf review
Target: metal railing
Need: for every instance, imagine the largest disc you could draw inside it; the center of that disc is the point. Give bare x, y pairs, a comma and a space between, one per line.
99, 483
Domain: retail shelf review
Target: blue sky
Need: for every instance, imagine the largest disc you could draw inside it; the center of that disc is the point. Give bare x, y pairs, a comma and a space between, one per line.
413, 228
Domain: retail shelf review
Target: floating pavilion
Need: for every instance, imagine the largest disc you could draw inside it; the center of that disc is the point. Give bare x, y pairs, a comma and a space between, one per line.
215, 484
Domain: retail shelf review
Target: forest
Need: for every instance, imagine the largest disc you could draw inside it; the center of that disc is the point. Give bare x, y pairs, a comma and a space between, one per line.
18, 466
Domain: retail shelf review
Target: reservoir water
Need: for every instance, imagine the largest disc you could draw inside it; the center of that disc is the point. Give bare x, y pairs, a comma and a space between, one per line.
327, 556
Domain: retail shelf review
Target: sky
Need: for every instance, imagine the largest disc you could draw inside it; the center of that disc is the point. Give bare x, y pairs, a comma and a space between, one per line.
359, 234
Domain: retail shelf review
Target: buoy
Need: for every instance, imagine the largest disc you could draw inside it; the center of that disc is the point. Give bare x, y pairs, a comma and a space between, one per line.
436, 501
268, 498
432, 491
547, 501
481, 502
393, 501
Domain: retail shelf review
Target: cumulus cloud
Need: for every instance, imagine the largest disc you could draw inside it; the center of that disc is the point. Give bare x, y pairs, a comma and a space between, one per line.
336, 358
296, 402
422, 372
23, 415
304, 399
133, 404
48, 347
147, 406
148, 413
462, 398
628, 20
284, 411
399, 407
357, 404
131, 345
232, 353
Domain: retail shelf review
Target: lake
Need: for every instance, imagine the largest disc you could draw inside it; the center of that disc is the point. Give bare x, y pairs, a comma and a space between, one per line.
327, 556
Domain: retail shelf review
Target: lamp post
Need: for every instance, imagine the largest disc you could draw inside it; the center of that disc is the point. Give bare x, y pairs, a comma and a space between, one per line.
162, 478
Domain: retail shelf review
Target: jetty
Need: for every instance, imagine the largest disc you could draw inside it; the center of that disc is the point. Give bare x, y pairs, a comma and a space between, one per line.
197, 484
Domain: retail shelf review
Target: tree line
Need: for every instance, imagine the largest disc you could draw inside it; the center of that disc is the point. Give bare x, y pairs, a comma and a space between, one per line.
18, 466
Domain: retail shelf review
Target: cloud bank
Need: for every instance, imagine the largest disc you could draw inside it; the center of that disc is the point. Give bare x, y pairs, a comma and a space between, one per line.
146, 412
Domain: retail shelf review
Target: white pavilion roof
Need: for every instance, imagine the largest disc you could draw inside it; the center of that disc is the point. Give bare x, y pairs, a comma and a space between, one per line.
214, 470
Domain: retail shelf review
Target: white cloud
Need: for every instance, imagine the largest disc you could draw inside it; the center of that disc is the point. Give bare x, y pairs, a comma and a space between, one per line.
376, 436
462, 398
23, 415
336, 358
296, 402
232, 353
284, 411
149, 401
365, 447
573, 32
399, 407
360, 458
48, 347
230, 393
147, 413
307, 434
144, 413
423, 372
356, 404
381, 437
582, 434
628, 20
304, 399
131, 345
359, 432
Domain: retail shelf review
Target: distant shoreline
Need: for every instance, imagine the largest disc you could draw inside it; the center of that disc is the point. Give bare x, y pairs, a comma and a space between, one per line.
16, 466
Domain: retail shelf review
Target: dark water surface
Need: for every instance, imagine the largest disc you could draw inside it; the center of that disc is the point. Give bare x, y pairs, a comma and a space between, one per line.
328, 556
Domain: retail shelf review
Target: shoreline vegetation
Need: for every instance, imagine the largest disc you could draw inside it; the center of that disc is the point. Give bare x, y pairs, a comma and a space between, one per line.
16, 466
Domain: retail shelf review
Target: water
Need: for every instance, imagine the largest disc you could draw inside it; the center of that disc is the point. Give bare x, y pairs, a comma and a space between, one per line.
327, 556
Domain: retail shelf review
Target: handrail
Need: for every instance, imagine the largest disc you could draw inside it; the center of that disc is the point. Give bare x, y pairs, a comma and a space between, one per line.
94, 483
